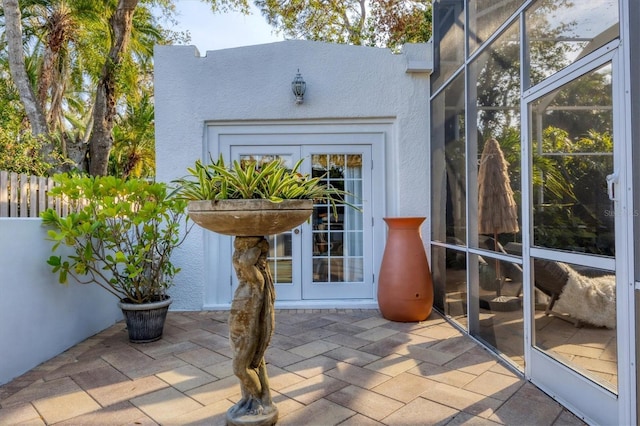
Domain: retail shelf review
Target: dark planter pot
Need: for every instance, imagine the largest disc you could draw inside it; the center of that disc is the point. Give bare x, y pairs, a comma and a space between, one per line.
145, 322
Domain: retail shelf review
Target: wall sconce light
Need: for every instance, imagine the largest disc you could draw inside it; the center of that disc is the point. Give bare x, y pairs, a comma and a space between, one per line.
298, 86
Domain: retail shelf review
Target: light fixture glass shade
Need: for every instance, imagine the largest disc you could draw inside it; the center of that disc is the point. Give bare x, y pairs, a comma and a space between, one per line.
298, 86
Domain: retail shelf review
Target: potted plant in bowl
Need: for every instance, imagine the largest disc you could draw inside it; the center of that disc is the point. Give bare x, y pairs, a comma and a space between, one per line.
253, 194
250, 201
122, 234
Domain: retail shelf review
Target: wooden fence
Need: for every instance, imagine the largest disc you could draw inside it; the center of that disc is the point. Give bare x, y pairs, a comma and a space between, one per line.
27, 196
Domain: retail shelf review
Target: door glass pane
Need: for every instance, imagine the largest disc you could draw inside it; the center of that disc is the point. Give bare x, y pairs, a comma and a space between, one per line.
449, 266
572, 148
572, 154
575, 318
338, 234
448, 165
448, 36
280, 257
485, 16
499, 302
560, 32
262, 159
497, 128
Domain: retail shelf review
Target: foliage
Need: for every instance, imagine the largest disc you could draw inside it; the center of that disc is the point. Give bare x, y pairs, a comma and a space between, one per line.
249, 180
19, 148
391, 23
11, 111
72, 51
498, 87
67, 47
133, 152
122, 237
20, 155
571, 186
558, 225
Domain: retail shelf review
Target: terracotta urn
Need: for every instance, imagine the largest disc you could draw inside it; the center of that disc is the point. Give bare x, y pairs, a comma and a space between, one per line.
405, 287
247, 218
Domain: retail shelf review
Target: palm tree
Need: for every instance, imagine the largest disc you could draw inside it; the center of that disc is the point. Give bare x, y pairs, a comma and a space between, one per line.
133, 153
66, 44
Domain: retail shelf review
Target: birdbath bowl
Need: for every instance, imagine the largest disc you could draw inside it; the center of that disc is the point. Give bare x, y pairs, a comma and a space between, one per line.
251, 318
249, 218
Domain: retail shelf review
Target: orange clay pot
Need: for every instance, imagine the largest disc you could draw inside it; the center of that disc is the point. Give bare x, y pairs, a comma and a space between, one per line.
405, 287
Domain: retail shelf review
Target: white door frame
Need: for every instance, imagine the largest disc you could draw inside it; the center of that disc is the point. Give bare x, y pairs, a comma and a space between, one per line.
346, 290
379, 133
596, 404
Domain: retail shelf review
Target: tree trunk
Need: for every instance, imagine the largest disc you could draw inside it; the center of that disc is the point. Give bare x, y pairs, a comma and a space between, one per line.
104, 111
35, 115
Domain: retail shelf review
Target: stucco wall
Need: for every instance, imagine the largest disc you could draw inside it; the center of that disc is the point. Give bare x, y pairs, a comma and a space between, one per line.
253, 84
40, 318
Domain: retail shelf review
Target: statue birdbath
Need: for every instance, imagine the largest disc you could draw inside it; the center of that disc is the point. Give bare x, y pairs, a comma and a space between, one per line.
250, 201
251, 319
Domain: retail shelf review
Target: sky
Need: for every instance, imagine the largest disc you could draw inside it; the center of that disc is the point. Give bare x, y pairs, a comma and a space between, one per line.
211, 31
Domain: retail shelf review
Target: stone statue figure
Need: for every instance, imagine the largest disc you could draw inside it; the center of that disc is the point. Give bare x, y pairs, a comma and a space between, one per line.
251, 323
252, 316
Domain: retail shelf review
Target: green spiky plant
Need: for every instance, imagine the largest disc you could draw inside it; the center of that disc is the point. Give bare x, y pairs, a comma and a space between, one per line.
271, 181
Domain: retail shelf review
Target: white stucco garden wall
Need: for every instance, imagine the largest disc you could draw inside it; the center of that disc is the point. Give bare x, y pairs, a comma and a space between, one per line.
345, 84
39, 318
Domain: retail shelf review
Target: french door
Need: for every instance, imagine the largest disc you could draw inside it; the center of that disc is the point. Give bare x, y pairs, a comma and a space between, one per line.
331, 255
577, 241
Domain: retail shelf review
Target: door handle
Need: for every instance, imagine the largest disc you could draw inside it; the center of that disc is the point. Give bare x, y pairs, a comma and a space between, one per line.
611, 179
296, 231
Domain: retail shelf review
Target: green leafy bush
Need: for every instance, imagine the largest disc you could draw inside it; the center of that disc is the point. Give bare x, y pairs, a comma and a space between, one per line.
22, 155
122, 237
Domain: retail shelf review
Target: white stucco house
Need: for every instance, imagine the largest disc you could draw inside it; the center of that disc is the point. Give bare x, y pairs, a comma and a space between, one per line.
553, 83
363, 114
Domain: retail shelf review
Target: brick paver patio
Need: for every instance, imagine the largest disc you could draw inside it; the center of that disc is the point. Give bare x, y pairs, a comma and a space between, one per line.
326, 367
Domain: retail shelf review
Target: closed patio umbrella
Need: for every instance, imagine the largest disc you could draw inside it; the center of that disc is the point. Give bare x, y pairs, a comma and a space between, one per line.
497, 210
